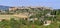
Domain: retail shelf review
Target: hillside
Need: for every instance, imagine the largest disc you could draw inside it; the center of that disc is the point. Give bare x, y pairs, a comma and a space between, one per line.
25, 12
29, 17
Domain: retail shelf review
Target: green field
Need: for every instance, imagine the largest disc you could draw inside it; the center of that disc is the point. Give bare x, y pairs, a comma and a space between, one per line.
12, 16
7, 17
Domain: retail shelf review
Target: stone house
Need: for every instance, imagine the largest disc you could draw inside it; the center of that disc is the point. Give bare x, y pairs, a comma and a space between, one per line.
47, 22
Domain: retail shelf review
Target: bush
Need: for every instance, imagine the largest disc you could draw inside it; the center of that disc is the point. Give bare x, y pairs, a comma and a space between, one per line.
38, 22
14, 23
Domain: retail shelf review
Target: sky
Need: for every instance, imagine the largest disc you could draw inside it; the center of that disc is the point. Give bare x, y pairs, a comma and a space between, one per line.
48, 3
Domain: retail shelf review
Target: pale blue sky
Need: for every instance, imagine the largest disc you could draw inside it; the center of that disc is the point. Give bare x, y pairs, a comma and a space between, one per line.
49, 3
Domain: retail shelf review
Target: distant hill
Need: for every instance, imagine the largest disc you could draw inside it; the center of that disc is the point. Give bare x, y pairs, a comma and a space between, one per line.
4, 7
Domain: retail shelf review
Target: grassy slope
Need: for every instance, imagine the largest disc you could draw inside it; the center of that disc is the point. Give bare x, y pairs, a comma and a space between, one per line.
12, 16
